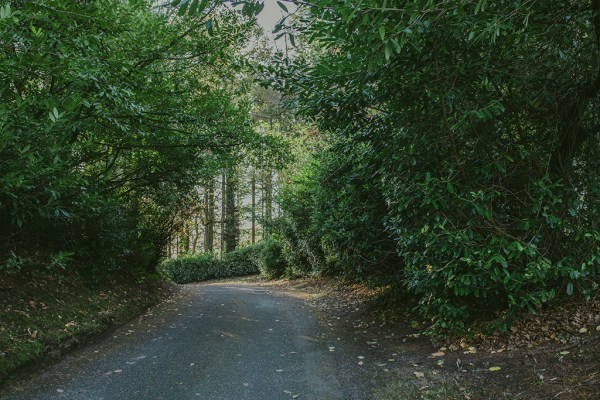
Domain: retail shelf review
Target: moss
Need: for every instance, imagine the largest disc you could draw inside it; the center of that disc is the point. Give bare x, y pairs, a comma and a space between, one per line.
46, 314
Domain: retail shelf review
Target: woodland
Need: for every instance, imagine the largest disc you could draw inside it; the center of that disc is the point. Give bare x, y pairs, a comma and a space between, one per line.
448, 151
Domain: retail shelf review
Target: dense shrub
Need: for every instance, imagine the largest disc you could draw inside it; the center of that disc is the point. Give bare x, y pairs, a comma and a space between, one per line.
265, 257
243, 261
271, 261
201, 267
462, 164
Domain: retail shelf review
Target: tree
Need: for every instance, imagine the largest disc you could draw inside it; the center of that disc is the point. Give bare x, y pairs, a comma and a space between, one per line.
465, 134
111, 113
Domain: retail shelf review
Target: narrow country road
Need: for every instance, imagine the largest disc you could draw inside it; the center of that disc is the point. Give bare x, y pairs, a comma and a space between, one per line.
213, 341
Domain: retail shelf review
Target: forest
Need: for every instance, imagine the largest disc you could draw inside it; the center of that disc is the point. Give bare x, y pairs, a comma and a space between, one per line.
448, 151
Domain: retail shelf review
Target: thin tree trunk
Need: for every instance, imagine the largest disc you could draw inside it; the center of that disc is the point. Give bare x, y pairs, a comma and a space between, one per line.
209, 218
196, 234
268, 201
232, 233
223, 191
253, 189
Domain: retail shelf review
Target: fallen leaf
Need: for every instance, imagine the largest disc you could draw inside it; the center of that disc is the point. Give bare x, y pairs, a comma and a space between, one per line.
437, 354
583, 330
419, 374
494, 369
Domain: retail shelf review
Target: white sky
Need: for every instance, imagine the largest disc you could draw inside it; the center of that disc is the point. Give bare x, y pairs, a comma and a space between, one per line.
270, 15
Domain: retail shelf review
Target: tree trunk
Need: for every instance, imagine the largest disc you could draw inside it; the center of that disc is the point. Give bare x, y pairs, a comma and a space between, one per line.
196, 234
268, 185
223, 190
253, 190
232, 231
209, 218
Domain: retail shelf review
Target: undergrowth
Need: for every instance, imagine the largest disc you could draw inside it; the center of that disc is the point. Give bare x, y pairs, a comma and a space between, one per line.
47, 313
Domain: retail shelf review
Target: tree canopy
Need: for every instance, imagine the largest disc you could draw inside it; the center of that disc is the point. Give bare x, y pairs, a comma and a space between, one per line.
111, 113
448, 149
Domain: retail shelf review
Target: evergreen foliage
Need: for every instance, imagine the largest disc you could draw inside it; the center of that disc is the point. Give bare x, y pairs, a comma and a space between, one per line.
461, 164
261, 258
111, 113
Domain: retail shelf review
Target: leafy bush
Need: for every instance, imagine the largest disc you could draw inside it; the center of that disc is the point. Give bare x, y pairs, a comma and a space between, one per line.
190, 268
271, 261
243, 261
265, 257
205, 266
458, 183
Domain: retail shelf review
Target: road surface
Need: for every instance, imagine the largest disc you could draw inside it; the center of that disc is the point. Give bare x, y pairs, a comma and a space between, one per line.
212, 341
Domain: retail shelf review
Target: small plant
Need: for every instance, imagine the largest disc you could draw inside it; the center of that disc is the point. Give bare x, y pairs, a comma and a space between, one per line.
13, 264
60, 260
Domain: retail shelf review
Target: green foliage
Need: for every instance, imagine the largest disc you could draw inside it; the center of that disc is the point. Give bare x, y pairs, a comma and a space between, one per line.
191, 268
271, 261
202, 267
462, 160
265, 257
242, 261
110, 114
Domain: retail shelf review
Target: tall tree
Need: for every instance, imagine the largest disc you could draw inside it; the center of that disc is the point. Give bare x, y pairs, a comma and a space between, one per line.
463, 141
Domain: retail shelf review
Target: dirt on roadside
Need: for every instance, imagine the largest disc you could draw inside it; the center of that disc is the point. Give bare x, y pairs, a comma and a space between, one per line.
552, 355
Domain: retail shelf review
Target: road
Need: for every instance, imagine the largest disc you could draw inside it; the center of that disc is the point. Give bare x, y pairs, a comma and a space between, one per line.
212, 341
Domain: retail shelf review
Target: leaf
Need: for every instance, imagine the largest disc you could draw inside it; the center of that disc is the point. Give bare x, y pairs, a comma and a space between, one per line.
494, 369
382, 32
193, 7
570, 288
419, 374
583, 330
183, 7
282, 6
437, 354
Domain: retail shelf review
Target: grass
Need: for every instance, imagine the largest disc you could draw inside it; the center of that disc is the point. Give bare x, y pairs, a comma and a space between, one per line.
46, 314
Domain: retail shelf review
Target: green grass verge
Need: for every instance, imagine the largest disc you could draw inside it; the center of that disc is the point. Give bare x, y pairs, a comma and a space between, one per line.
46, 314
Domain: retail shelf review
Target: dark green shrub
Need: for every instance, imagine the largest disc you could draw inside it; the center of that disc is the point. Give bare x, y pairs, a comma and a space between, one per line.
205, 266
272, 263
191, 268
242, 261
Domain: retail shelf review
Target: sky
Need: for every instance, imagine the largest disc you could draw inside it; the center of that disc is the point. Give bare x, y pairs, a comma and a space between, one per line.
270, 15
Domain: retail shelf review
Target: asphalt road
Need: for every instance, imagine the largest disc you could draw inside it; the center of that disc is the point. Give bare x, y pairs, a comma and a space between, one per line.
214, 341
